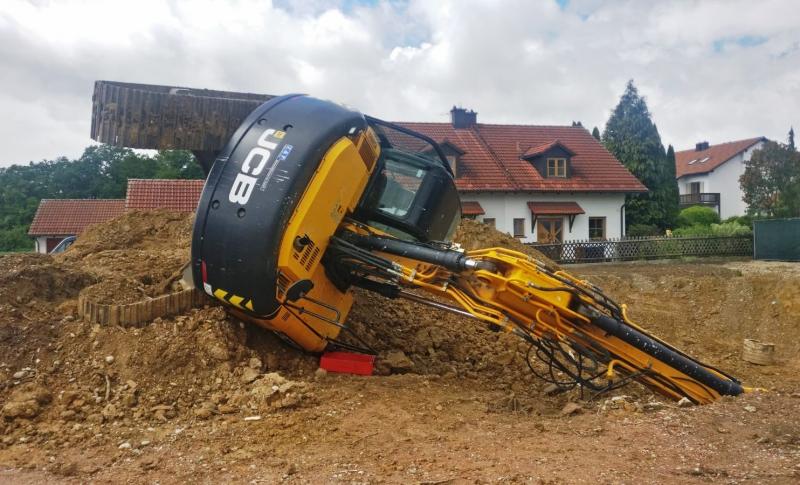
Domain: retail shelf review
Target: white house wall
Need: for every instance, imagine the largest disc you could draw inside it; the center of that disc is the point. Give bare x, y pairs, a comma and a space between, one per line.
40, 244
505, 207
725, 180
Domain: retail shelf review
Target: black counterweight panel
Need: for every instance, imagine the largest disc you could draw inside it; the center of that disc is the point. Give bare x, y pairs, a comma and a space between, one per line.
253, 189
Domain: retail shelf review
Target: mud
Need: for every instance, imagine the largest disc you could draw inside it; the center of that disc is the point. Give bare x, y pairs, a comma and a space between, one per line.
202, 396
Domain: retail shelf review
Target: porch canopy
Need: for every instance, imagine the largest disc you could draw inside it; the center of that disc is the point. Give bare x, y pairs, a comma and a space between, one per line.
570, 209
471, 208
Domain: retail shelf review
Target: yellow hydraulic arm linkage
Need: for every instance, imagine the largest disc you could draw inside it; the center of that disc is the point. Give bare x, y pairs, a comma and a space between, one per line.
583, 337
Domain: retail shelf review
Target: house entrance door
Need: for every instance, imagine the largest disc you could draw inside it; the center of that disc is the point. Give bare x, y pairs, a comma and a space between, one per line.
550, 230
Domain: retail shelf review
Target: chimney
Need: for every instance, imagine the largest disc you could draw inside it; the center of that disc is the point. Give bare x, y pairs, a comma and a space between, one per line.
700, 146
462, 118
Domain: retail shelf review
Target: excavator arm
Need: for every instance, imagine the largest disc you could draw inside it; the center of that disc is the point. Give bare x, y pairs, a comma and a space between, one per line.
583, 336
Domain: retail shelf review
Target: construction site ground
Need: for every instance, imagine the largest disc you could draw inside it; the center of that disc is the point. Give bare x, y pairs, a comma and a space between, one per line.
200, 397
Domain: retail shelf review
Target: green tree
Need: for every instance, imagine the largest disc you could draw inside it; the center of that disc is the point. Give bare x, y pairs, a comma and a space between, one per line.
791, 139
178, 164
771, 181
102, 171
596, 133
632, 137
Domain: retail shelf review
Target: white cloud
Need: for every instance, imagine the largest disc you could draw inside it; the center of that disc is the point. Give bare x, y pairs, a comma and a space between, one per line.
716, 70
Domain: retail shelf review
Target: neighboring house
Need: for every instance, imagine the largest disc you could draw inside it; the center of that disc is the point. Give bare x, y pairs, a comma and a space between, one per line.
709, 175
176, 195
57, 219
537, 183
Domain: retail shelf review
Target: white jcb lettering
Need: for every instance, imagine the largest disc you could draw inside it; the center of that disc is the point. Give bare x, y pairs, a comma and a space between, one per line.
262, 140
254, 163
263, 153
241, 189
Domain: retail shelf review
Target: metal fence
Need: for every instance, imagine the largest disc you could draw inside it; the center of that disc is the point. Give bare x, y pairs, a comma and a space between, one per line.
627, 249
777, 239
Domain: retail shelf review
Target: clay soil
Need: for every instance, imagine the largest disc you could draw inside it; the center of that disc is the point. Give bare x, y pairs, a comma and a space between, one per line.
201, 397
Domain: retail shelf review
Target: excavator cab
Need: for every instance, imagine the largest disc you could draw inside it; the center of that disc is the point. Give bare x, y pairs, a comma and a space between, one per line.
411, 194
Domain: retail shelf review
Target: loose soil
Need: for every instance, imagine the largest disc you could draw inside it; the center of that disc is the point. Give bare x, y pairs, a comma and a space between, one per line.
200, 396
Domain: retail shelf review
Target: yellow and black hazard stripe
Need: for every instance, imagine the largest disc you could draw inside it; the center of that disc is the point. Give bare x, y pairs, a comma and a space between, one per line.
235, 300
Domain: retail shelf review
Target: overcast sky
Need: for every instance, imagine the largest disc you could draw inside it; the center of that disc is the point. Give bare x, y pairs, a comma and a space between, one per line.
710, 70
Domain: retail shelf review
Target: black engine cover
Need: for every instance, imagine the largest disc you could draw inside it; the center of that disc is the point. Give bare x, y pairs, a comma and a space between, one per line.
252, 190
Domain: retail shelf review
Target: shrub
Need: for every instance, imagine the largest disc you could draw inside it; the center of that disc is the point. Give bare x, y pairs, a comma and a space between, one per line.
730, 229
697, 215
15, 239
639, 230
695, 230
743, 220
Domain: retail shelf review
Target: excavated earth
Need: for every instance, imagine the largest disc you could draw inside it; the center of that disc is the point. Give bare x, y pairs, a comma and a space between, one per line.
202, 397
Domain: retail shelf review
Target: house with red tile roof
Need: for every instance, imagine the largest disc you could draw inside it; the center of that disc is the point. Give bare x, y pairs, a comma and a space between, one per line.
709, 175
176, 195
57, 219
537, 183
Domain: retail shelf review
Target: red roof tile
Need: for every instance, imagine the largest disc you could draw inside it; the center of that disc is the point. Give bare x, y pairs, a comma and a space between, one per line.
693, 162
471, 208
555, 208
69, 217
176, 195
492, 159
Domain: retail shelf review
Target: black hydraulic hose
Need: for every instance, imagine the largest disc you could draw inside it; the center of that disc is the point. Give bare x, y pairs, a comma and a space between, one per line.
446, 258
665, 354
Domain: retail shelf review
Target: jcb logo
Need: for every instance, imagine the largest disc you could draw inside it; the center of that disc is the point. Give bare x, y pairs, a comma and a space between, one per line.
258, 159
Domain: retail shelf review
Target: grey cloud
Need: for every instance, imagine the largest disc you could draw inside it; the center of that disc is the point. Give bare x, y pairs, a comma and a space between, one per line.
512, 61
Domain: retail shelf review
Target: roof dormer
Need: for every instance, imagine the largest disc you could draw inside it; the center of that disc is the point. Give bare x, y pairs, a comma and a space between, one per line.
551, 160
452, 153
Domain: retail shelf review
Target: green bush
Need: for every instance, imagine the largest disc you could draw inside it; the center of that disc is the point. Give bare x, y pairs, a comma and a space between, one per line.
639, 230
15, 239
697, 215
730, 229
743, 220
695, 230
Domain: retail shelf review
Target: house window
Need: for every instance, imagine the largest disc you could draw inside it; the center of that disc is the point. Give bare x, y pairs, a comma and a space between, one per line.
556, 167
489, 221
695, 187
519, 227
597, 228
452, 161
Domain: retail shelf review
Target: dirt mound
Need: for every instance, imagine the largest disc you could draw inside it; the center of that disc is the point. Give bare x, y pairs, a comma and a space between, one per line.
25, 278
477, 235
134, 256
148, 230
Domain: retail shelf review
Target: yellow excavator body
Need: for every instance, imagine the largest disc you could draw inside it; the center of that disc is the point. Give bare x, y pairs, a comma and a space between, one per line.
311, 199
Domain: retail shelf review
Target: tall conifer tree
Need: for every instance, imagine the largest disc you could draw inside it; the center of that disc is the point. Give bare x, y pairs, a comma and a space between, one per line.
632, 137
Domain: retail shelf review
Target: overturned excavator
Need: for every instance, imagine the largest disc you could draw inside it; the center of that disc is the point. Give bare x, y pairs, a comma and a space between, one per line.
306, 200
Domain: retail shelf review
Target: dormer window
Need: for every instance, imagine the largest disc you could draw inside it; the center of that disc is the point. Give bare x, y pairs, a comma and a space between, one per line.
551, 160
557, 167
452, 154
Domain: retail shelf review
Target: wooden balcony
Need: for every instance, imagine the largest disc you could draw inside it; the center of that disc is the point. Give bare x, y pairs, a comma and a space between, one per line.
709, 199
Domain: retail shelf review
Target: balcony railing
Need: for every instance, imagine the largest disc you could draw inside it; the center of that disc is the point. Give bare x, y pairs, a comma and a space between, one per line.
700, 199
